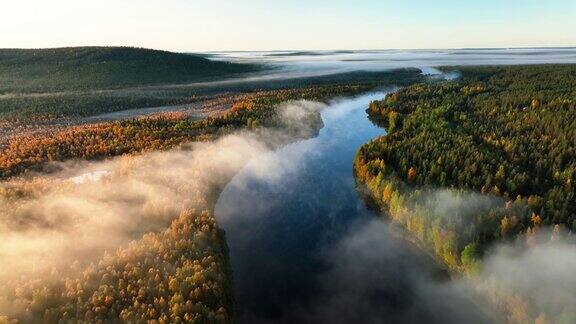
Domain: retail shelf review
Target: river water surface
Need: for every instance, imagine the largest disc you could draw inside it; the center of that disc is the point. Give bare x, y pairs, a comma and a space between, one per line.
305, 249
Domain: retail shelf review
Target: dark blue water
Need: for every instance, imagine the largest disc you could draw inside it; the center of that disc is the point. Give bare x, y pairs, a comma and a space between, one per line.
305, 249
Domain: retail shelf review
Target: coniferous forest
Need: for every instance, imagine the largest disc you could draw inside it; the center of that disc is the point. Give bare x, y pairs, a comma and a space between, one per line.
501, 136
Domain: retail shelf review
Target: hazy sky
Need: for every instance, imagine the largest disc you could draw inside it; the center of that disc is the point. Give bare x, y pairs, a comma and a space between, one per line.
197, 25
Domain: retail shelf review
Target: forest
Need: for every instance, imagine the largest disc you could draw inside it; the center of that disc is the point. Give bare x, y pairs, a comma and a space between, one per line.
174, 266
50, 106
157, 132
94, 68
500, 139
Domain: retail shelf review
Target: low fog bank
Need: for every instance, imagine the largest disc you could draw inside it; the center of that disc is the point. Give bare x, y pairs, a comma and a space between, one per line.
375, 275
532, 278
525, 279
66, 224
60, 222
294, 64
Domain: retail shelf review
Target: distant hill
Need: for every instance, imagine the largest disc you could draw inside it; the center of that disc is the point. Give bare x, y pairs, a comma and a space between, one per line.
81, 68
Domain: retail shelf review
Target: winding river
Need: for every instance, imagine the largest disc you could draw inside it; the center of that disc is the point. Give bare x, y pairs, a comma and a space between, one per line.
304, 248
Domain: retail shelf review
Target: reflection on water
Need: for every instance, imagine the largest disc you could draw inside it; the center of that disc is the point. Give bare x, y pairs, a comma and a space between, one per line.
304, 248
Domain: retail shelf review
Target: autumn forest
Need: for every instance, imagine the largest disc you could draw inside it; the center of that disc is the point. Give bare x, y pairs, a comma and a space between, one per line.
147, 186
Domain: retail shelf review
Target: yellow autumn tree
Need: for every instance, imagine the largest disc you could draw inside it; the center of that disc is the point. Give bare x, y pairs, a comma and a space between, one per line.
411, 174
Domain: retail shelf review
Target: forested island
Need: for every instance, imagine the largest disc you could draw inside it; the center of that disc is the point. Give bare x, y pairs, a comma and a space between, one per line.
487, 158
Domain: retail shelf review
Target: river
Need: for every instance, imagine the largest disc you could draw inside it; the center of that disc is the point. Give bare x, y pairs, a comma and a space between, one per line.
304, 248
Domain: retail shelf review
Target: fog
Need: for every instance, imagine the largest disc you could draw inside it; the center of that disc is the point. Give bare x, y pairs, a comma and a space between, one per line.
455, 204
70, 218
529, 277
376, 276
294, 64
535, 274
104, 205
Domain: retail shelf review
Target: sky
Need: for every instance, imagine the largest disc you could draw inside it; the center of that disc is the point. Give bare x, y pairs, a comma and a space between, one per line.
210, 25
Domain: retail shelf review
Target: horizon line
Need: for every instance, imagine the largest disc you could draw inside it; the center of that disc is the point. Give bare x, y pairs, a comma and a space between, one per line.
297, 50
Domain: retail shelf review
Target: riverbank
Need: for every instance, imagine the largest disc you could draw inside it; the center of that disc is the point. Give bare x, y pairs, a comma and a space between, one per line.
468, 169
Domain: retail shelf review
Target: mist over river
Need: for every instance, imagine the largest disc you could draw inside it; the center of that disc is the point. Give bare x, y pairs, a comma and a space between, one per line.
304, 247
